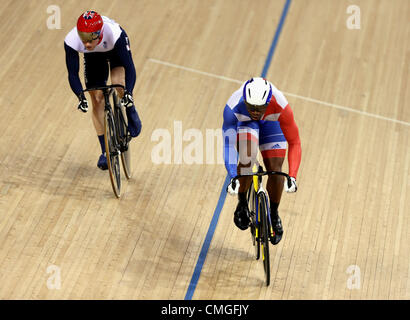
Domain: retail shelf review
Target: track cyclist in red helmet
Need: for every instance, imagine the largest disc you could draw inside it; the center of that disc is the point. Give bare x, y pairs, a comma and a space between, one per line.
106, 48
258, 116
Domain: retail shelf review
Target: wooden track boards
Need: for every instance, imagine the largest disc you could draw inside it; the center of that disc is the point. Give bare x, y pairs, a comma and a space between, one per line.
57, 209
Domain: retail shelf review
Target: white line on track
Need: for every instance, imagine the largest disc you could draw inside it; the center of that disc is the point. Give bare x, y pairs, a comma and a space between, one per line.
324, 103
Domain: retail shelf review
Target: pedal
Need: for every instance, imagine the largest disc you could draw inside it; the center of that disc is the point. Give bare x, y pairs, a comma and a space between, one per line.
272, 233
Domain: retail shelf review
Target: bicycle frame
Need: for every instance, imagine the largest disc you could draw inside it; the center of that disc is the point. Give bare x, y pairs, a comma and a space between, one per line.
258, 187
107, 91
261, 224
257, 174
105, 88
115, 136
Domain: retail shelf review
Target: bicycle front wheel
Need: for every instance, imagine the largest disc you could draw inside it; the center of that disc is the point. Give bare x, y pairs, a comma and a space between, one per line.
264, 235
112, 153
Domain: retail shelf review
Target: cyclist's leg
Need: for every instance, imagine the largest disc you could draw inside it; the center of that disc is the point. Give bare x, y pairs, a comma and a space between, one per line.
97, 116
247, 146
274, 185
273, 148
97, 100
96, 74
118, 77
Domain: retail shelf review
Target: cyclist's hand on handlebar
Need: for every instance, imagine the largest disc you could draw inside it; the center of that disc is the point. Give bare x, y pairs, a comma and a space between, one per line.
83, 104
127, 100
292, 187
233, 187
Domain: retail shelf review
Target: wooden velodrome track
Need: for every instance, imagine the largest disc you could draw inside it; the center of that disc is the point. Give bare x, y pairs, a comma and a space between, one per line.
63, 234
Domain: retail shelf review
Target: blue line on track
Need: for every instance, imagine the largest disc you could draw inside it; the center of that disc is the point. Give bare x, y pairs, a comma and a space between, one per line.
207, 242
275, 39
222, 196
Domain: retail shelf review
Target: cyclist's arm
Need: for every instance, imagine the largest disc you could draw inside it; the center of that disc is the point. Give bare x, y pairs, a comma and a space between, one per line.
229, 135
291, 133
122, 47
72, 61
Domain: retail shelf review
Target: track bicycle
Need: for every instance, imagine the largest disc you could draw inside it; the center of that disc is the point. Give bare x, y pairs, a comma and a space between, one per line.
261, 224
116, 136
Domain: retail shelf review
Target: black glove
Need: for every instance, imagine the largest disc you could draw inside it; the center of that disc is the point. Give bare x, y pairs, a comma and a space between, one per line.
83, 104
127, 100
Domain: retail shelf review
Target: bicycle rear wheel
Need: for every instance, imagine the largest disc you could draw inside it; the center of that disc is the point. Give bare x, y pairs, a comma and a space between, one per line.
112, 153
254, 225
123, 137
264, 231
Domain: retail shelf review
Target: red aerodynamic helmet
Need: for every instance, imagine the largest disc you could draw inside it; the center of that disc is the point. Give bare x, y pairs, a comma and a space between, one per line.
89, 26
